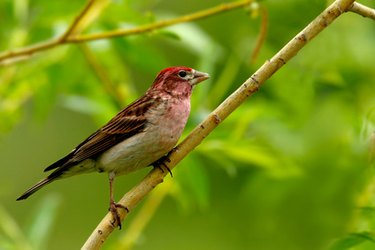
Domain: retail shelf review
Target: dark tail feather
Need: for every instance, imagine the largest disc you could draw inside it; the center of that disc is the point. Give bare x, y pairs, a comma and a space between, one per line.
35, 188
60, 162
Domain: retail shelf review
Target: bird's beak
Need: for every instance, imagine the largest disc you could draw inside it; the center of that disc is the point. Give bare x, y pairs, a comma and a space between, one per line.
199, 77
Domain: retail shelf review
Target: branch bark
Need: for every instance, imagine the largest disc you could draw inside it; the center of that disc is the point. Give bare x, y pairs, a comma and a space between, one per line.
70, 36
362, 10
249, 87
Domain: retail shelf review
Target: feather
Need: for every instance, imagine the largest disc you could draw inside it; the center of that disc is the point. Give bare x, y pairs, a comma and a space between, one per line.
125, 124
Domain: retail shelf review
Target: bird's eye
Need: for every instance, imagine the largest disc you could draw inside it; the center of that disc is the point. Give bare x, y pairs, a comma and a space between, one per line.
182, 73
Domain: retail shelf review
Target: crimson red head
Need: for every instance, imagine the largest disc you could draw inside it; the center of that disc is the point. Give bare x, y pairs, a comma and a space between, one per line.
178, 81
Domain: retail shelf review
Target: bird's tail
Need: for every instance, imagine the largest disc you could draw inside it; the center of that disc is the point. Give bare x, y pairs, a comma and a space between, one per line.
35, 188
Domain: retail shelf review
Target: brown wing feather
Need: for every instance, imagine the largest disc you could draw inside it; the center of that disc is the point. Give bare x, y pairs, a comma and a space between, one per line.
125, 124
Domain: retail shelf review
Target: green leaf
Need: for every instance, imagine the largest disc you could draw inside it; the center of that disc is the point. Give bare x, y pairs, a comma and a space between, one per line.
13, 235
194, 182
42, 221
352, 240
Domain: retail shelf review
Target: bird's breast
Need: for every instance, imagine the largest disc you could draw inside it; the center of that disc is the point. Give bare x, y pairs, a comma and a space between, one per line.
165, 123
168, 123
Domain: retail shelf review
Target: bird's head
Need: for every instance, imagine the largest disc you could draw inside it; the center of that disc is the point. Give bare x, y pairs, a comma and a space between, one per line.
178, 81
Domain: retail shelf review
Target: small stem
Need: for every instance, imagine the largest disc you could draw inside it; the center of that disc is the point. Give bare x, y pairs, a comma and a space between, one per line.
102, 75
163, 23
12, 56
74, 25
262, 34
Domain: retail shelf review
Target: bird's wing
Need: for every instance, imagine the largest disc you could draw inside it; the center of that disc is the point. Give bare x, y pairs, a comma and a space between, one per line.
125, 124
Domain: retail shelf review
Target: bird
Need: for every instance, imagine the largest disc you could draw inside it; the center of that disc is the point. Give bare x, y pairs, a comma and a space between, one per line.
140, 135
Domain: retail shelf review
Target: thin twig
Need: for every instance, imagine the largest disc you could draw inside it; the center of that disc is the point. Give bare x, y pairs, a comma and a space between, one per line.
362, 10
262, 33
164, 23
28, 51
251, 85
13, 56
75, 24
102, 76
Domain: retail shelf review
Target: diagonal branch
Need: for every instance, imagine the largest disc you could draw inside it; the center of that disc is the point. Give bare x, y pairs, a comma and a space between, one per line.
249, 87
72, 29
70, 35
362, 10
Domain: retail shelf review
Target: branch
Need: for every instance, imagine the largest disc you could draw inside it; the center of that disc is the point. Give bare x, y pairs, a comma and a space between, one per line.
262, 33
70, 37
250, 86
362, 10
102, 75
73, 27
164, 23
13, 56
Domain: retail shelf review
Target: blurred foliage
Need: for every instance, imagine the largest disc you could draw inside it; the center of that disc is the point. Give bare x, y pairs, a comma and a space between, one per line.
290, 169
37, 230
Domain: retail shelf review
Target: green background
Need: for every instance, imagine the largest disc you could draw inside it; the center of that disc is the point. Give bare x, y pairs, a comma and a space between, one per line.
290, 169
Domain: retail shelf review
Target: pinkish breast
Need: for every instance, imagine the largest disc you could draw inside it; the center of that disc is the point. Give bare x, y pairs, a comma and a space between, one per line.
164, 127
171, 121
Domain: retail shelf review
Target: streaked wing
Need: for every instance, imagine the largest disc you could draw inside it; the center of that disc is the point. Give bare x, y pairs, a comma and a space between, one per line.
125, 124
105, 139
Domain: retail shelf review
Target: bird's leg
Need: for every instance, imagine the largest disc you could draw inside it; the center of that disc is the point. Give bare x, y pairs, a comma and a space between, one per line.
112, 204
162, 162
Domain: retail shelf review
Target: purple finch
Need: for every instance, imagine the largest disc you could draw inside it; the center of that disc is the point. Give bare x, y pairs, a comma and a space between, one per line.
137, 137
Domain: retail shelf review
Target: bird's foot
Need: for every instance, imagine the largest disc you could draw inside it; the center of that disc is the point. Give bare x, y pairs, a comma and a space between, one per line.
113, 208
163, 160
162, 163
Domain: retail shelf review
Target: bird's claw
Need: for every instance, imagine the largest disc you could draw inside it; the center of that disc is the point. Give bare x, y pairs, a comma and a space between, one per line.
161, 162
113, 208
